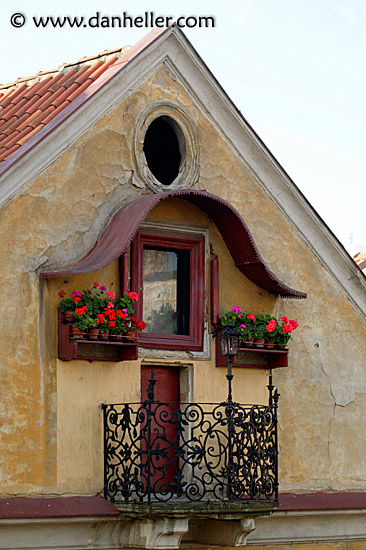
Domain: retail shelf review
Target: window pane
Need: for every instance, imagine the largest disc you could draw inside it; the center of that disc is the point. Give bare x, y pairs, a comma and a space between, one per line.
160, 290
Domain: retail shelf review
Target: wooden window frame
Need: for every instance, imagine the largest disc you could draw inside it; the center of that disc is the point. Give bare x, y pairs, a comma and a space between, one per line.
195, 244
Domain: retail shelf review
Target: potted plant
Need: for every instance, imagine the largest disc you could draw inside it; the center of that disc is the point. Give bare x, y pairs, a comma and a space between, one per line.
259, 331
285, 327
271, 331
103, 326
249, 319
236, 319
67, 307
81, 323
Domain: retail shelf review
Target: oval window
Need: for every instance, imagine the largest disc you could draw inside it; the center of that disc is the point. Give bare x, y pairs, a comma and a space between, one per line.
163, 149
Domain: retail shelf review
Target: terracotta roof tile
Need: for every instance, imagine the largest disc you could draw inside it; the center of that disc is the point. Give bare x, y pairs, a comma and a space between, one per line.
8, 152
7, 99
28, 104
360, 259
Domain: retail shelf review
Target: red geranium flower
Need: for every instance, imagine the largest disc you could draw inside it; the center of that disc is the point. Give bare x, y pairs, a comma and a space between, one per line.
96, 284
77, 299
134, 296
61, 293
287, 328
111, 294
271, 326
251, 317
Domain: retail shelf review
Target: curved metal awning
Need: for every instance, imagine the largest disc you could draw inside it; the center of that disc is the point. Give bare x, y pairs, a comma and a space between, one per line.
238, 239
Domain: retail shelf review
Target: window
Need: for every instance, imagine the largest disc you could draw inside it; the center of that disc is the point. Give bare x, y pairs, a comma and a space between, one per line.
166, 147
162, 147
168, 270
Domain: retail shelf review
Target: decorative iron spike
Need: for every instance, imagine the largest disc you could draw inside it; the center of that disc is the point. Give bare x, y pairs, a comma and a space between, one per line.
270, 387
150, 389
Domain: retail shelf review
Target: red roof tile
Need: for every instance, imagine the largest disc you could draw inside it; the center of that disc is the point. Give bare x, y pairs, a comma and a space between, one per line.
360, 259
28, 104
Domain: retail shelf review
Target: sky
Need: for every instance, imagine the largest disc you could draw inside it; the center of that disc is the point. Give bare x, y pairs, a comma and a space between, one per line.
296, 69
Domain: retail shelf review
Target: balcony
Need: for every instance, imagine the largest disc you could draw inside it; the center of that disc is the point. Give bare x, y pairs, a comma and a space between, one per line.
190, 458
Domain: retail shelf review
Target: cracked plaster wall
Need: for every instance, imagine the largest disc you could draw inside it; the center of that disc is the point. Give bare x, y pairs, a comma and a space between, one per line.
58, 217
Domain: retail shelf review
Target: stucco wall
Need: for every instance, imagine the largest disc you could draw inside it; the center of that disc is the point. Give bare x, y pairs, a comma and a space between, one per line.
57, 218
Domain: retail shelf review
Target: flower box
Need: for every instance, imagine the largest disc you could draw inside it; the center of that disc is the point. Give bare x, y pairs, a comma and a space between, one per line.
263, 339
254, 358
92, 350
96, 325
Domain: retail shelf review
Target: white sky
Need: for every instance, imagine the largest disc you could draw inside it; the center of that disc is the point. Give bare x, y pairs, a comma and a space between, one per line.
296, 69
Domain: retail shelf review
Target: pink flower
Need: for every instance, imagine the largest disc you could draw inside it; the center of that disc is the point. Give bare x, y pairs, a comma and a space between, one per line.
110, 305
240, 315
111, 295
236, 309
102, 288
243, 326
76, 294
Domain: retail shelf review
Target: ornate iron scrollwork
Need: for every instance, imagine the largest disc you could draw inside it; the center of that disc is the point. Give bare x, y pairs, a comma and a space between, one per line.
219, 451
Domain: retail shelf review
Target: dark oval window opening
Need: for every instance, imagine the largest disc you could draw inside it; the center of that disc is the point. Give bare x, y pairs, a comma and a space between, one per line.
162, 148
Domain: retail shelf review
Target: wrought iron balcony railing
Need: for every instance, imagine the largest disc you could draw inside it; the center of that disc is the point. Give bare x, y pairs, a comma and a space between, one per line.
215, 452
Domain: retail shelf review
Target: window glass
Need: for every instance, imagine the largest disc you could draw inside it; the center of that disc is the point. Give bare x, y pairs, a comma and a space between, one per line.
166, 290
162, 149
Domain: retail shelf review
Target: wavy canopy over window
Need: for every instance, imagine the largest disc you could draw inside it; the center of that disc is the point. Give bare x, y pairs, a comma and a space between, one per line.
238, 239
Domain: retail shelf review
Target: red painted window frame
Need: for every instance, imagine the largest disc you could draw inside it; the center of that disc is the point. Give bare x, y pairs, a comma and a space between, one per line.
195, 244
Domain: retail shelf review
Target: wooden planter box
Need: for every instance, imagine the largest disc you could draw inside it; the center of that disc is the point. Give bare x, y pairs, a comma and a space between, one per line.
255, 358
91, 350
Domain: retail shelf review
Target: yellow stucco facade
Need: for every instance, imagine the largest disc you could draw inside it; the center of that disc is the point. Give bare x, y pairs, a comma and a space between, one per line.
50, 415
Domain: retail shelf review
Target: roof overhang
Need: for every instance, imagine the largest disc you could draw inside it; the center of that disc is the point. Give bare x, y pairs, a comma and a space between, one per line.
126, 222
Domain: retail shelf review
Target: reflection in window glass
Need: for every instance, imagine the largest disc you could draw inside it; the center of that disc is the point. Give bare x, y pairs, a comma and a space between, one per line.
160, 290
